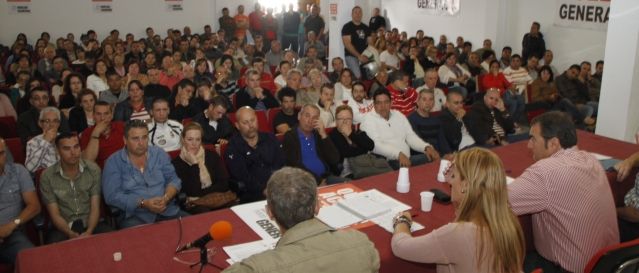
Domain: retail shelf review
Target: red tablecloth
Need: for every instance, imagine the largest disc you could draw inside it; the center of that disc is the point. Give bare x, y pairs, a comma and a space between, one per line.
150, 248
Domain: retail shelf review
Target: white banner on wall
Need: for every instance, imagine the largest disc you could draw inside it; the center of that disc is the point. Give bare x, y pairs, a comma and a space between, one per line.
439, 7
102, 6
174, 5
585, 14
19, 6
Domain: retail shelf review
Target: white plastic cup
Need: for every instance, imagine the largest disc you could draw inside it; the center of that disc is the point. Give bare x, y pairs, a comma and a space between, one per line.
403, 182
427, 200
443, 165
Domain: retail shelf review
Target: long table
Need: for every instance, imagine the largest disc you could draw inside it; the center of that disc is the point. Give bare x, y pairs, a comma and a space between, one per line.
150, 248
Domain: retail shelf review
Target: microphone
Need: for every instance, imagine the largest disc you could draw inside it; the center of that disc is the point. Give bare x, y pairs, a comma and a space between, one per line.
220, 230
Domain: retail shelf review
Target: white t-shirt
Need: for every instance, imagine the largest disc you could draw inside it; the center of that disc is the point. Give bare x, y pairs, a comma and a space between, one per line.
390, 60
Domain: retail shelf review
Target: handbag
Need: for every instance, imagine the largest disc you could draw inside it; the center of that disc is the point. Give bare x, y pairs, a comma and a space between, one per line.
365, 165
215, 200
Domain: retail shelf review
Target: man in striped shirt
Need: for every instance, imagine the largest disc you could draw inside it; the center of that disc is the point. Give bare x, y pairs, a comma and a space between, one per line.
567, 193
403, 97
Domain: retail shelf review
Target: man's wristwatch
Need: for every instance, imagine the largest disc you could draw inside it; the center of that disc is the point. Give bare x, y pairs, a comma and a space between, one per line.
141, 203
17, 221
402, 219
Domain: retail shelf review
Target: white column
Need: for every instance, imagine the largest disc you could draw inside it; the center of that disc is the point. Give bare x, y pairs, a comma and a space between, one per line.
619, 100
335, 21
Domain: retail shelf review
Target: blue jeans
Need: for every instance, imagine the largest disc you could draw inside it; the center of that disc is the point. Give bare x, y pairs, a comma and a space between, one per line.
353, 64
13, 244
135, 221
516, 105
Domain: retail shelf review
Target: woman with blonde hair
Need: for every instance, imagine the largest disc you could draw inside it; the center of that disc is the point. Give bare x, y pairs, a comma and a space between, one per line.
485, 236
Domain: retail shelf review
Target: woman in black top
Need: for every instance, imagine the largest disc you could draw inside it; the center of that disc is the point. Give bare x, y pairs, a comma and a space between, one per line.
74, 83
204, 177
81, 116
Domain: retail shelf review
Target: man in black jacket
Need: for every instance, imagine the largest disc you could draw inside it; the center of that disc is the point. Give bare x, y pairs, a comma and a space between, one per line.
308, 146
455, 131
533, 43
217, 126
489, 121
29, 120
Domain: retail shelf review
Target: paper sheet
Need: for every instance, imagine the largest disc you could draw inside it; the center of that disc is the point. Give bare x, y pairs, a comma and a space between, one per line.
600, 156
239, 252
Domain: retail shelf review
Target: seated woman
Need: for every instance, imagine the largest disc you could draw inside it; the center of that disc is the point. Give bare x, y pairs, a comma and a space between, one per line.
311, 93
81, 116
485, 236
135, 106
280, 79
73, 85
134, 74
455, 76
204, 177
544, 95
354, 147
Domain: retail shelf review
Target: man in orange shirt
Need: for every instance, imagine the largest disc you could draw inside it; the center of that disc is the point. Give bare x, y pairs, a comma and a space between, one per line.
241, 23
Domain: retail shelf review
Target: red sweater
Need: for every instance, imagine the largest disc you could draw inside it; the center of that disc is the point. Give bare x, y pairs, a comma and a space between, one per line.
403, 101
491, 81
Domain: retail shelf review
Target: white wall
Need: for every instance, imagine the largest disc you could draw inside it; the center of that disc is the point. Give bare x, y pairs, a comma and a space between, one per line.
77, 16
504, 22
471, 22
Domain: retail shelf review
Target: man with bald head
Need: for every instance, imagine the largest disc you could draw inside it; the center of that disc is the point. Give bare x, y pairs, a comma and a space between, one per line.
308, 146
251, 157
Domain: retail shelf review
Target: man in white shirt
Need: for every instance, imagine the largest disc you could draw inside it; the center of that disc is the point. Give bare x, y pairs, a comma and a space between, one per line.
389, 58
41, 152
393, 136
515, 98
163, 132
359, 103
430, 82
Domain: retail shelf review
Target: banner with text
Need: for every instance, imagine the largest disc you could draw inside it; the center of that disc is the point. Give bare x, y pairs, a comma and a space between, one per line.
439, 7
585, 14
19, 6
102, 6
174, 5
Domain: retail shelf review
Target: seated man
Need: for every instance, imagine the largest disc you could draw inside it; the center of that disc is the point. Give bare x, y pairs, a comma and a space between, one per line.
98, 142
266, 79
140, 180
154, 89
393, 136
251, 157
28, 122
519, 78
338, 65
310, 60
571, 88
217, 126
115, 94
428, 128
403, 97
308, 146
430, 82
567, 192
358, 102
488, 121
18, 205
71, 190
307, 245
41, 151
314, 42
164, 132
287, 117
253, 95
452, 120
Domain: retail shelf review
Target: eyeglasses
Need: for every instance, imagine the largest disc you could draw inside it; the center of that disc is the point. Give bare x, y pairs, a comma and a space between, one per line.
49, 121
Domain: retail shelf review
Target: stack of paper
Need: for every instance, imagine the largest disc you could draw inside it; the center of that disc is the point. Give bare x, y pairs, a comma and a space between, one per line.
239, 252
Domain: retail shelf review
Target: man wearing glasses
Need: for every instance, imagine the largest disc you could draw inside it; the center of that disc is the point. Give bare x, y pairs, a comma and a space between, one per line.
29, 121
41, 151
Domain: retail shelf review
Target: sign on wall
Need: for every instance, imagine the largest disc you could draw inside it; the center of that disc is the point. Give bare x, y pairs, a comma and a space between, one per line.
174, 5
439, 7
19, 6
585, 14
102, 6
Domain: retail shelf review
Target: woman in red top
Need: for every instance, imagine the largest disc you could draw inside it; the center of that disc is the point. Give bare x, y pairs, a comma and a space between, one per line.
495, 79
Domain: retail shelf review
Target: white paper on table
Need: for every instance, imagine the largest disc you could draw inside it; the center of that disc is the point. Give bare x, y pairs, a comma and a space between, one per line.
363, 206
239, 252
600, 156
509, 180
254, 215
336, 217
386, 222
